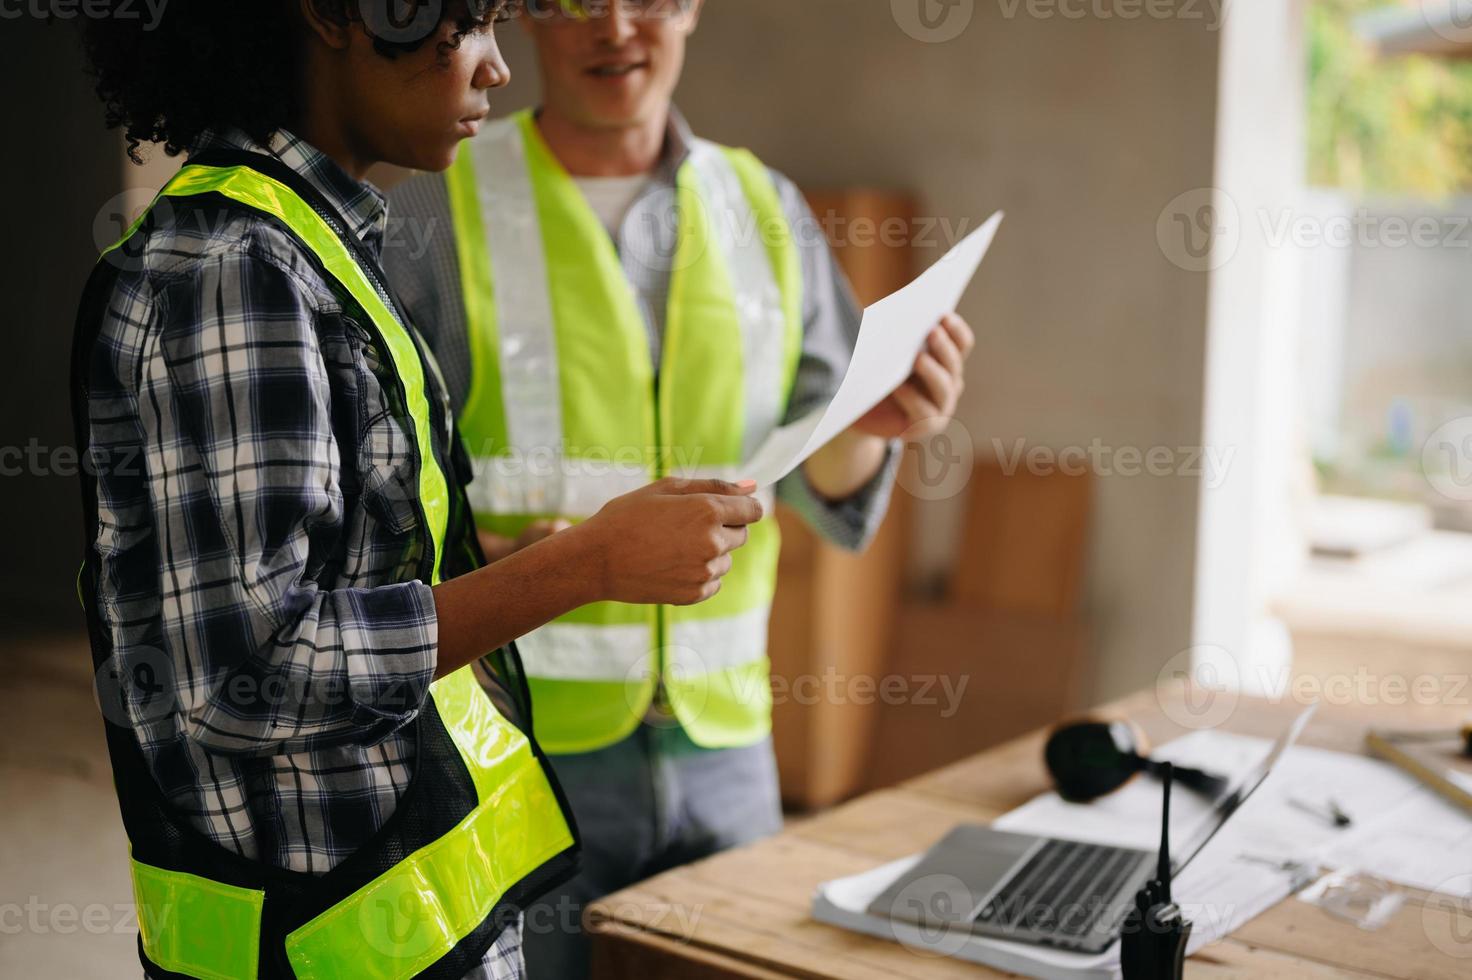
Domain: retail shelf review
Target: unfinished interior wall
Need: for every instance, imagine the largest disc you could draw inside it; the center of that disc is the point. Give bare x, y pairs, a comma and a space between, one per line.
59, 171
1085, 122
1083, 129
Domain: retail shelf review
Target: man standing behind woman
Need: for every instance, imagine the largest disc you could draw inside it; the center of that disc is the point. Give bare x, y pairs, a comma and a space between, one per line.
614, 299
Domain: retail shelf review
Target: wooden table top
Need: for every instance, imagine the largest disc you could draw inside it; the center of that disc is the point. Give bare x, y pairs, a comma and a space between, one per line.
745, 913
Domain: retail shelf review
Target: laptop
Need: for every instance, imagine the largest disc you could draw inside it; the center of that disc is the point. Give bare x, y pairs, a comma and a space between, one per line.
1048, 891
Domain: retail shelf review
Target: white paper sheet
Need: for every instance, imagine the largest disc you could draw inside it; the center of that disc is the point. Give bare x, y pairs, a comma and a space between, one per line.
891, 336
1233, 880
1423, 841
1267, 826
1220, 896
1402, 831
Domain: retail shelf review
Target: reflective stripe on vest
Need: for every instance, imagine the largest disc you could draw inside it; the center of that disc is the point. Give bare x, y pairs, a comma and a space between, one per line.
561, 416
412, 915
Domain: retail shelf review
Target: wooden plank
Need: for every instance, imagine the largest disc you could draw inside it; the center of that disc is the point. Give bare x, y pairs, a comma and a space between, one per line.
984, 677
891, 824
835, 611
747, 910
1233, 959
1403, 947
650, 956
743, 935
1024, 545
1001, 779
784, 870
774, 930
886, 262
761, 935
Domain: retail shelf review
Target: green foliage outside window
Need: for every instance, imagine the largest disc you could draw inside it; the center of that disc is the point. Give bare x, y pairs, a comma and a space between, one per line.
1398, 125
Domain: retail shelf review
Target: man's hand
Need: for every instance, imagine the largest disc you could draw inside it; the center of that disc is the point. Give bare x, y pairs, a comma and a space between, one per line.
497, 546
925, 403
917, 409
670, 542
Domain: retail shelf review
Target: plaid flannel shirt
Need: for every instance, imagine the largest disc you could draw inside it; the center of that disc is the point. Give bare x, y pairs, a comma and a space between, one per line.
284, 630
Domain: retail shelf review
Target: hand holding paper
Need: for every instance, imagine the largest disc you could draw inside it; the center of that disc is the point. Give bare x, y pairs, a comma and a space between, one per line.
892, 334
931, 393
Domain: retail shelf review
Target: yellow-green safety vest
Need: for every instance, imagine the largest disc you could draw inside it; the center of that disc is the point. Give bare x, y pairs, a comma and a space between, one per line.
564, 414
482, 830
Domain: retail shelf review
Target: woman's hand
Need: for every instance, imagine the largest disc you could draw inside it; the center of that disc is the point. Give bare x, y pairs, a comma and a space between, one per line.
671, 542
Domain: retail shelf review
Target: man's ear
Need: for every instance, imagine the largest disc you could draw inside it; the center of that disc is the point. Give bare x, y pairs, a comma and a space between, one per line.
332, 29
693, 17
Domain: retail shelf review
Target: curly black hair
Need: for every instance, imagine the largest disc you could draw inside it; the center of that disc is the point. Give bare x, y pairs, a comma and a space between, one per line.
211, 64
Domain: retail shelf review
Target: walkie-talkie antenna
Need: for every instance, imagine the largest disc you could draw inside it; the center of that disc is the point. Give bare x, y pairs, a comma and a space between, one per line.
1156, 935
1163, 871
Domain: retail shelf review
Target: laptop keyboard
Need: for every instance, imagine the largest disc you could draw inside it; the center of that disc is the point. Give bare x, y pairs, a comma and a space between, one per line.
1066, 888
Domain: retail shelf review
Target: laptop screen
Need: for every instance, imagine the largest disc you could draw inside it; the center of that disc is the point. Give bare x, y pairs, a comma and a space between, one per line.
1240, 789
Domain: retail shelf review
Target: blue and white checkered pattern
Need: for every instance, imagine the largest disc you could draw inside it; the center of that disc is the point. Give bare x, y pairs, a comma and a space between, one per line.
279, 640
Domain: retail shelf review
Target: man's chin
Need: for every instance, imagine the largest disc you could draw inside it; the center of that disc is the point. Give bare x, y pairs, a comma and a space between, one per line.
624, 114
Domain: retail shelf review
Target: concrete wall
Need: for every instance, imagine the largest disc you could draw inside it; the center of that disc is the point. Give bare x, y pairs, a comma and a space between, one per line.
59, 171
1083, 130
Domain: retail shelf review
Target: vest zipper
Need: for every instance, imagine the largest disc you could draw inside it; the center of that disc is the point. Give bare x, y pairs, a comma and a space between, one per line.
661, 693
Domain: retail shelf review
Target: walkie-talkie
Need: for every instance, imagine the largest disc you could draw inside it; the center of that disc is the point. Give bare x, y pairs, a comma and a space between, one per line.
1152, 945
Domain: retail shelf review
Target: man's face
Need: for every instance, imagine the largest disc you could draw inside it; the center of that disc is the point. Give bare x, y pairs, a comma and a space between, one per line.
611, 64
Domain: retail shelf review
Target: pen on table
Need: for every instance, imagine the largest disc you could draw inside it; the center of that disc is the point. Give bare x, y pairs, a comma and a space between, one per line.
1301, 874
1330, 811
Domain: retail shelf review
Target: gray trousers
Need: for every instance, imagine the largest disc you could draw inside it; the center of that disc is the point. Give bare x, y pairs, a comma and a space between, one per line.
650, 803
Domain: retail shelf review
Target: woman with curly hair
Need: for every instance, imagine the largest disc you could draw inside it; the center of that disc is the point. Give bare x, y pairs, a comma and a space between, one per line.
280, 576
